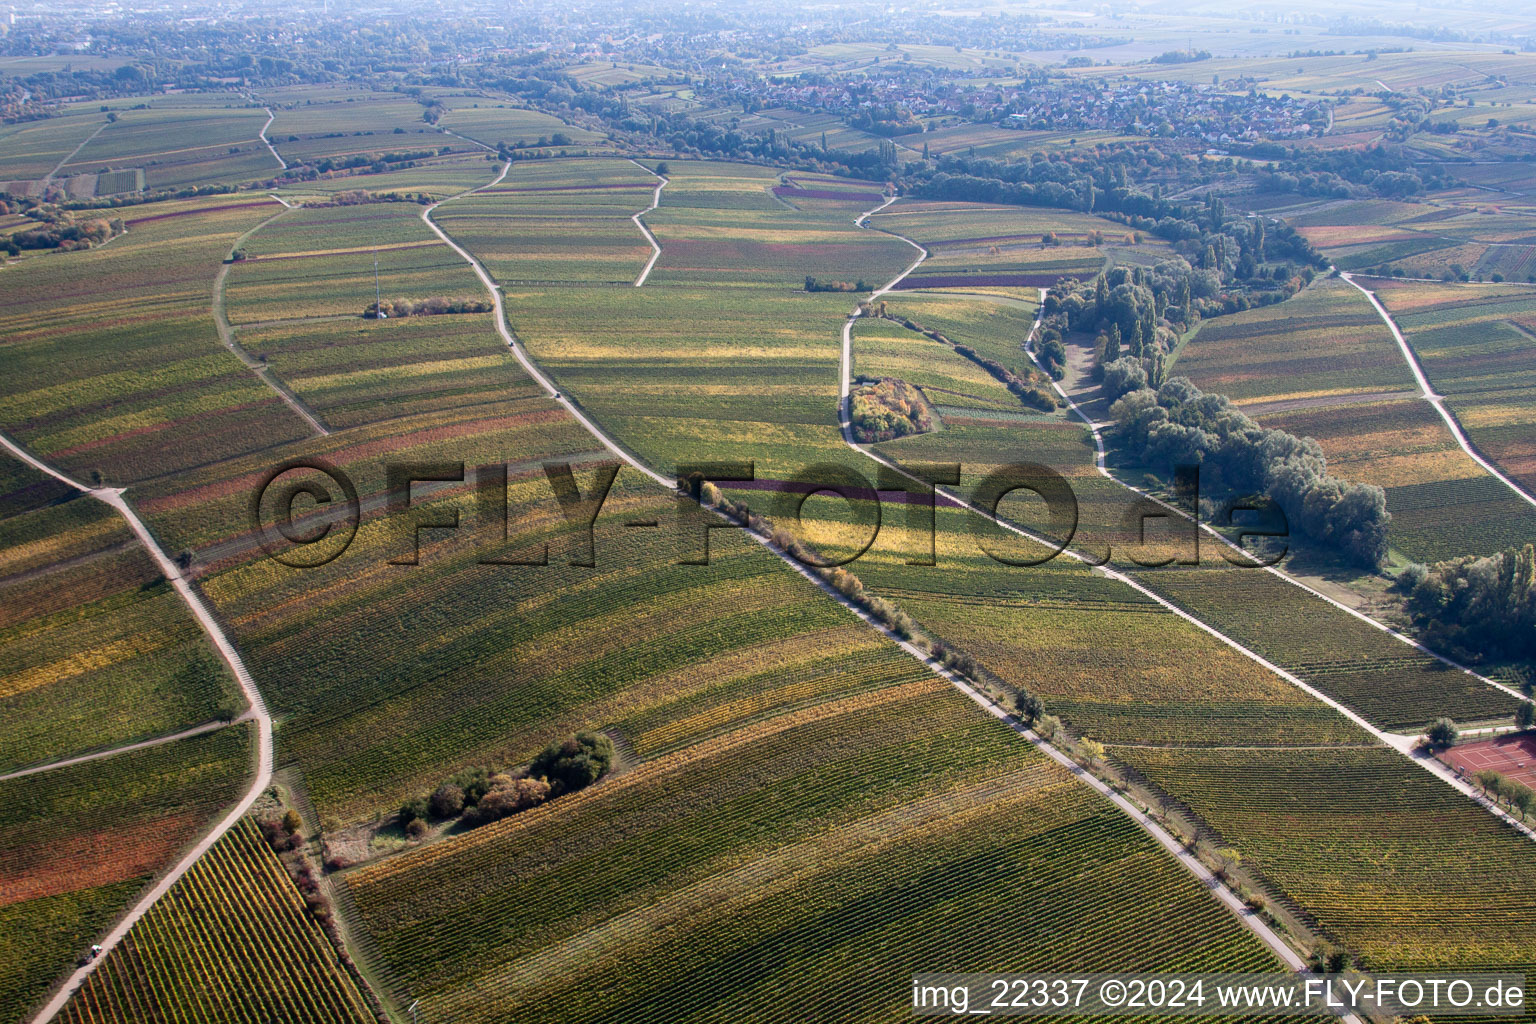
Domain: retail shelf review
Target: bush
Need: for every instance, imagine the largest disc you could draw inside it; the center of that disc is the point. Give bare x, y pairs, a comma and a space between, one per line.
507, 796
292, 822
574, 763
1442, 732
417, 828
447, 801
412, 809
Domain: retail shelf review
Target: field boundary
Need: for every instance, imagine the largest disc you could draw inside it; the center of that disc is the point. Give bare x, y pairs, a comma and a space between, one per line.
227, 333
1402, 744
156, 741
663, 182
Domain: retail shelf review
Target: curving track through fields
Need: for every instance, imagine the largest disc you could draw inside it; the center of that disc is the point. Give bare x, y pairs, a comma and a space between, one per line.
1173, 846
1402, 744
1427, 392
257, 710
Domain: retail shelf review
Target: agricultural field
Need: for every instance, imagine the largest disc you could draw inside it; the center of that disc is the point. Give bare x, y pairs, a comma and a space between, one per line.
231, 941
32, 150
224, 130
943, 826
97, 650
1477, 344
77, 843
1423, 239
1341, 836
564, 221
320, 262
1391, 684
978, 246
114, 369
353, 371
1324, 365
885, 349
533, 736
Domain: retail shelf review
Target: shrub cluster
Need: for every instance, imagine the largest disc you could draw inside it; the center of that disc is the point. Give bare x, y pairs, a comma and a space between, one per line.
284, 835
1478, 607
437, 305
883, 409
478, 796
1025, 388
813, 284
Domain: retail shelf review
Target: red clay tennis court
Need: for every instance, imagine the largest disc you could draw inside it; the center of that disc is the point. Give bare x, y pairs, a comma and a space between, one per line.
1513, 757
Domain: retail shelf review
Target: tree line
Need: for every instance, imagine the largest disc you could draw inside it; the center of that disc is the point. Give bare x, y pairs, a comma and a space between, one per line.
1178, 424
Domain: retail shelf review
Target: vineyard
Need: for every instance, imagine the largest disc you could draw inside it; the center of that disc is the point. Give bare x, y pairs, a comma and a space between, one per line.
1388, 682
95, 649
231, 941
942, 827
557, 221
1323, 365
77, 843
786, 801
109, 362
1355, 839
1476, 342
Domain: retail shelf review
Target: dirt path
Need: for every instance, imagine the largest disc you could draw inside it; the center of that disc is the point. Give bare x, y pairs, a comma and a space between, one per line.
196, 730
1428, 393
257, 710
1190, 862
662, 182
62, 163
1163, 838
283, 164
227, 334
1401, 743
529, 366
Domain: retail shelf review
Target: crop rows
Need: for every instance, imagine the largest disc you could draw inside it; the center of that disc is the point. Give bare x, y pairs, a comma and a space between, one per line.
231, 941
1356, 839
76, 843
898, 820
1386, 681
112, 362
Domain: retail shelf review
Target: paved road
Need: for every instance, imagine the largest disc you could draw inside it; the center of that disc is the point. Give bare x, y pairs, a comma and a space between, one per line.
257, 710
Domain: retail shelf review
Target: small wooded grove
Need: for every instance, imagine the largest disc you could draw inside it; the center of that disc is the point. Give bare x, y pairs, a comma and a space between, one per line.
1478, 606
1178, 424
479, 796
435, 305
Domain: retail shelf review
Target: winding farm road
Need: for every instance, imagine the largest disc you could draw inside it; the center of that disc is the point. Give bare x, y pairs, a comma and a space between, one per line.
529, 366
257, 710
1427, 392
227, 334
662, 183
283, 164
158, 741
1188, 860
1402, 744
